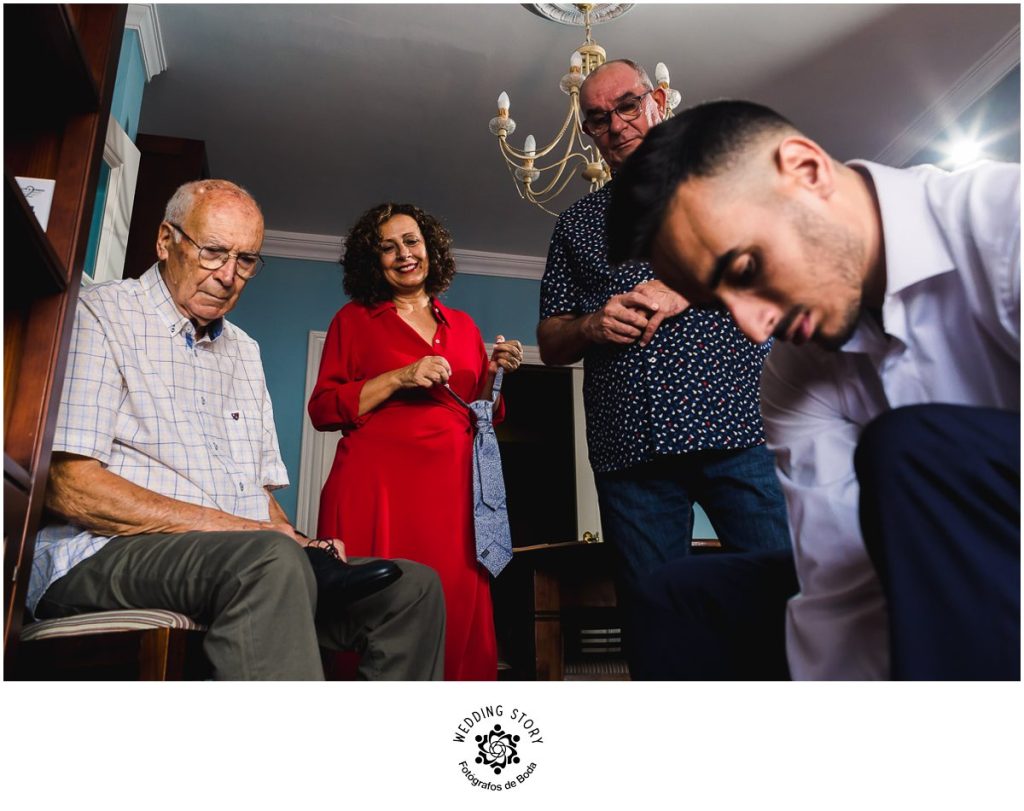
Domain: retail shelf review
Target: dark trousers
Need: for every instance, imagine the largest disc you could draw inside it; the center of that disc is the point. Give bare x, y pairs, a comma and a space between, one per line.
714, 617
940, 516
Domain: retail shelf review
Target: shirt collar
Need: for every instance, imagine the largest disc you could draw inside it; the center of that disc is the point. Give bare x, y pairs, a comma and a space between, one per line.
156, 288
915, 246
441, 313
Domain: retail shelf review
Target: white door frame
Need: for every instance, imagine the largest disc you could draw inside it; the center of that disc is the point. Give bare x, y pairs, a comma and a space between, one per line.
122, 156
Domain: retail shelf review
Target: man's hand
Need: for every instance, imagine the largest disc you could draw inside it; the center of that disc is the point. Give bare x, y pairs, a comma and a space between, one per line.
624, 319
621, 320
668, 301
284, 526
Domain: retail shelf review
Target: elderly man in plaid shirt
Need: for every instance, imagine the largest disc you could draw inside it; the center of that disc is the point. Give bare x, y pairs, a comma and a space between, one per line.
165, 456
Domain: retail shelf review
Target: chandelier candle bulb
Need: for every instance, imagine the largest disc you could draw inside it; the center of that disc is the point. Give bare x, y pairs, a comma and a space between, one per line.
575, 62
501, 125
531, 146
661, 74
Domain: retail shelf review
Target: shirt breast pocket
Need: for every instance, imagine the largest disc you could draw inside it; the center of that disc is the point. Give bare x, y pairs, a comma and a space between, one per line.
242, 432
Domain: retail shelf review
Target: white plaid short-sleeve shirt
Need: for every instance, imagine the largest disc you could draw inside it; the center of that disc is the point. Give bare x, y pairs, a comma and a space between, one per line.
186, 417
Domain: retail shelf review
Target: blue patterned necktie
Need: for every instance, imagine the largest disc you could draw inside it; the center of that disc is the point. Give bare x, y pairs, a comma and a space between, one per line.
490, 516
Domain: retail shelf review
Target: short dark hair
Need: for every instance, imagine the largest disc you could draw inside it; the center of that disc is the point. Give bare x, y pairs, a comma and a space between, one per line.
702, 141
363, 280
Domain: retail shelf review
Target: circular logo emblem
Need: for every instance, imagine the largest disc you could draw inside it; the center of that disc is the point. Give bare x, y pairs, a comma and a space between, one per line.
498, 748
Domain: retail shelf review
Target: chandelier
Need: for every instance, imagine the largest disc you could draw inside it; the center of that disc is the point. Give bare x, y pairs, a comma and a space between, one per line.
523, 165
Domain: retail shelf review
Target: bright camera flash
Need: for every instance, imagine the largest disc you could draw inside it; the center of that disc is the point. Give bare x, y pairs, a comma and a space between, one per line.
962, 152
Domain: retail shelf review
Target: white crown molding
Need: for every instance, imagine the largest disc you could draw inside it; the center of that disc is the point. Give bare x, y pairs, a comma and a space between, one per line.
143, 18
506, 265
974, 84
327, 248
295, 245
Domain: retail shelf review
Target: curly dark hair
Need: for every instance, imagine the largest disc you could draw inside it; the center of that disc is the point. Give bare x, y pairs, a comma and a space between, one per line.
363, 280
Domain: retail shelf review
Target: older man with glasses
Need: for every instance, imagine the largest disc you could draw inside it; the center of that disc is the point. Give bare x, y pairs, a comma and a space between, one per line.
165, 457
671, 397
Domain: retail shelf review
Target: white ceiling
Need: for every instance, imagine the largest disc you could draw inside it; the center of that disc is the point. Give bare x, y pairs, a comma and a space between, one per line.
324, 110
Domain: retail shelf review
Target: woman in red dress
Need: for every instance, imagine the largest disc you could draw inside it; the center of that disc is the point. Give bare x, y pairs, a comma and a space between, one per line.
401, 484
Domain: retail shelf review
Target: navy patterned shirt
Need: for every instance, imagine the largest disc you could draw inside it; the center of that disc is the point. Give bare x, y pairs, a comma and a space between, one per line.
693, 387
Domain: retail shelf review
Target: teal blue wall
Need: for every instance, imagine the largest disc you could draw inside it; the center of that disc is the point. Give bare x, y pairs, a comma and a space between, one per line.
93, 245
125, 108
290, 297
130, 84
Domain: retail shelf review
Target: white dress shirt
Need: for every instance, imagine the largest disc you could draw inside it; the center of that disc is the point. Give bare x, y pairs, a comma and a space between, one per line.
186, 417
951, 334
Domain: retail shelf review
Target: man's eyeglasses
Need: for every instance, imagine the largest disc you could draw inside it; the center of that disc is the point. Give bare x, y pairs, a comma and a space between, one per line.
247, 265
598, 123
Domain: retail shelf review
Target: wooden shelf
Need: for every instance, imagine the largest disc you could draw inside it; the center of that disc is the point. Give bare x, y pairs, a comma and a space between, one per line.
30, 258
53, 75
61, 64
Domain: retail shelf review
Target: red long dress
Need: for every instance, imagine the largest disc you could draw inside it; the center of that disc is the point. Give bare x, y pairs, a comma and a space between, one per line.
401, 483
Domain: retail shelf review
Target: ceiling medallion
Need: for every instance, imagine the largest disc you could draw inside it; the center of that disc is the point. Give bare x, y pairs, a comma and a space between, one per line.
574, 13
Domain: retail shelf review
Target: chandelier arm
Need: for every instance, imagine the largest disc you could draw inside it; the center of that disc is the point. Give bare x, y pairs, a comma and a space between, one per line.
563, 163
545, 195
515, 182
554, 180
540, 153
569, 119
512, 154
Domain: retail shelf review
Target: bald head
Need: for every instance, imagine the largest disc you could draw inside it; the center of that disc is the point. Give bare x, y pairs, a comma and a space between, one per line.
638, 70
199, 192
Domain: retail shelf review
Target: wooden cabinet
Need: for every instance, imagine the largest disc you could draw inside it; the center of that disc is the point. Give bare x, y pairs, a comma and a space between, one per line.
60, 63
556, 614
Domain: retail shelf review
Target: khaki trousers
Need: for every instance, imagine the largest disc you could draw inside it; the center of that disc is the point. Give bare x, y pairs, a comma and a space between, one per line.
256, 593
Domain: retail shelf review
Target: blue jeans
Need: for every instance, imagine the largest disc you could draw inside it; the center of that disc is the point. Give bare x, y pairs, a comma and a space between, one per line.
647, 510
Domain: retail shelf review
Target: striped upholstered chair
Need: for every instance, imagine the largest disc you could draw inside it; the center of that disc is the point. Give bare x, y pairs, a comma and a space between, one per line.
146, 644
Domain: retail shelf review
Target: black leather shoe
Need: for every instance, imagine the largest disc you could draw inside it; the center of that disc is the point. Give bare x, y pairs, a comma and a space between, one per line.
340, 584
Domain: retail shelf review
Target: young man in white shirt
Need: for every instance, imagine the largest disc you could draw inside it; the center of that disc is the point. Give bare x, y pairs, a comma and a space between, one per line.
893, 406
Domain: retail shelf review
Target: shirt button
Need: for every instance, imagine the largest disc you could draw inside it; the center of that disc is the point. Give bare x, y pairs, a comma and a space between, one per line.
215, 446
437, 340
202, 400
241, 487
